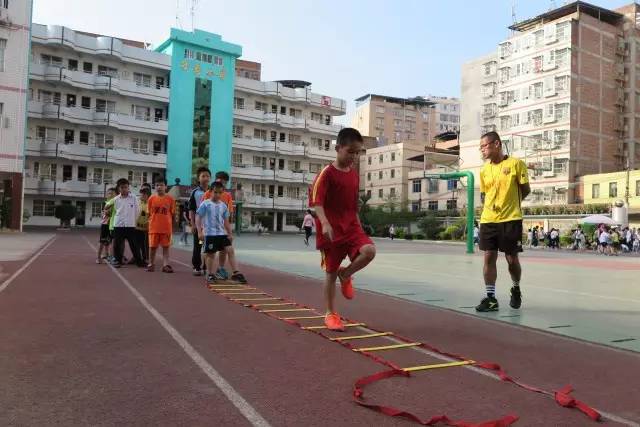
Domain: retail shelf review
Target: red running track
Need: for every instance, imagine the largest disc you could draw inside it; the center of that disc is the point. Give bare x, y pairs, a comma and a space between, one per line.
79, 347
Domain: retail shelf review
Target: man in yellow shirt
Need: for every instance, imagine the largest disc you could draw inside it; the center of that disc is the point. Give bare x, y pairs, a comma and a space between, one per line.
504, 183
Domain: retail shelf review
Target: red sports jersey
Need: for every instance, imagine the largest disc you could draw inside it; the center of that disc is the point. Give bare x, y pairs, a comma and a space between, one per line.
337, 192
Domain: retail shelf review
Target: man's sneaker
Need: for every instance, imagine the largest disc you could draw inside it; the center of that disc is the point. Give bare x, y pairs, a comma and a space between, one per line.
223, 273
346, 285
211, 279
516, 297
238, 277
333, 322
488, 304
197, 272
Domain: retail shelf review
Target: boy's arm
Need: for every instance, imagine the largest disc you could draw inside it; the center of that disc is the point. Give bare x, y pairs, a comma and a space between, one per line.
227, 227
327, 231
198, 222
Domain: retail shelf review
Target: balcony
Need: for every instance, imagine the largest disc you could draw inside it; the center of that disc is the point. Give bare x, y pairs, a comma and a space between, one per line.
59, 36
262, 117
103, 83
322, 127
46, 187
285, 176
91, 117
274, 89
92, 153
264, 202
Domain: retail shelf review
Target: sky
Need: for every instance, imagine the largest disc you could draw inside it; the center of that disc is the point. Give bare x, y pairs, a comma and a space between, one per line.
345, 48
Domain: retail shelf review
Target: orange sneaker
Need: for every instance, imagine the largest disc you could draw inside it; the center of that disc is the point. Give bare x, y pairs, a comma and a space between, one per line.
333, 322
346, 285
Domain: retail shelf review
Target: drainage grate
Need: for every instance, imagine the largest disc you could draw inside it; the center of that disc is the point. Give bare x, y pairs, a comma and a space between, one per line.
407, 294
511, 315
433, 300
560, 326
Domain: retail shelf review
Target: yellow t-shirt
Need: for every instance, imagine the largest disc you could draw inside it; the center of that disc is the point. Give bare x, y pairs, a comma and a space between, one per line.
500, 184
142, 223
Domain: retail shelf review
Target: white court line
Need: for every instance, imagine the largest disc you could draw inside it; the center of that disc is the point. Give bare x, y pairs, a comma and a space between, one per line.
7, 282
248, 411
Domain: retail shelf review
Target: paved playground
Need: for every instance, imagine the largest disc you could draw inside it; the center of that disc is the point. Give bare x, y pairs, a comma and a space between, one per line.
85, 344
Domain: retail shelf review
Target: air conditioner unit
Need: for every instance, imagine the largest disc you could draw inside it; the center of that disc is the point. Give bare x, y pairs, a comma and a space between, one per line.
5, 122
548, 174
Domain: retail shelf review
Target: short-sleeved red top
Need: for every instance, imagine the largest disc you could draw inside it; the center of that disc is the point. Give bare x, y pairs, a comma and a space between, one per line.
337, 192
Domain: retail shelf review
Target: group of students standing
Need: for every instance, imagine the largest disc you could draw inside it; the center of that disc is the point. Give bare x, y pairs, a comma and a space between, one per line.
146, 223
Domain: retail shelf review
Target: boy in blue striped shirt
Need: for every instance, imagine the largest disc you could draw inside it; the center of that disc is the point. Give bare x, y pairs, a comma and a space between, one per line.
214, 229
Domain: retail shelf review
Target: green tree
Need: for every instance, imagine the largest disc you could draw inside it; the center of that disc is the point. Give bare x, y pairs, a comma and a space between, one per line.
65, 213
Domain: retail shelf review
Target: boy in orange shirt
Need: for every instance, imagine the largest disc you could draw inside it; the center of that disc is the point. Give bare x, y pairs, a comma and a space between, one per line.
161, 208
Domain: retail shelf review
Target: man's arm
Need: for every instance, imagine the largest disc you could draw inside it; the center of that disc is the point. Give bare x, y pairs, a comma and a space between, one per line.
198, 223
525, 189
227, 227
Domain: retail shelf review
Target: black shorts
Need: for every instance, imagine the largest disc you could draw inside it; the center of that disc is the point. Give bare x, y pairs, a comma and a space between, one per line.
213, 244
105, 234
501, 236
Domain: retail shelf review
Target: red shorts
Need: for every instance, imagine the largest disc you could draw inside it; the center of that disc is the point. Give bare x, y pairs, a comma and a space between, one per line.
159, 239
333, 255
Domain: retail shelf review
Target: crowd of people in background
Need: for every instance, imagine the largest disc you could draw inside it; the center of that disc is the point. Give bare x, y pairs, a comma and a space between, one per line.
605, 240
146, 223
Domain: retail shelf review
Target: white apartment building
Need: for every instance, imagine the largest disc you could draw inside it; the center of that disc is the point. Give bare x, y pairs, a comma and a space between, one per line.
554, 91
384, 172
97, 112
447, 117
15, 22
283, 136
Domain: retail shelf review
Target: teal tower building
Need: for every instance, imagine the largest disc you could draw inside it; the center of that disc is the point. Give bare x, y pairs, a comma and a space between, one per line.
202, 84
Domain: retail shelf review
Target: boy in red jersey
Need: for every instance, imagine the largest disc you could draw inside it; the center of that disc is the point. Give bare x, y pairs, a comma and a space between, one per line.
334, 195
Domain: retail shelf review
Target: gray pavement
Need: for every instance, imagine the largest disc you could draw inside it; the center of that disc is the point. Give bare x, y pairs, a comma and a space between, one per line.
579, 295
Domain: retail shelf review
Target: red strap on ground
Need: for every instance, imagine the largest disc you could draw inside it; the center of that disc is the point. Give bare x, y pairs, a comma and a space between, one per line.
562, 397
358, 396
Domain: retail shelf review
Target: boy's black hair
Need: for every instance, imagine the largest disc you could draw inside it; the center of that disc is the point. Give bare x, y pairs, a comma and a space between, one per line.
347, 136
145, 184
222, 175
202, 169
217, 185
160, 180
114, 189
145, 190
121, 182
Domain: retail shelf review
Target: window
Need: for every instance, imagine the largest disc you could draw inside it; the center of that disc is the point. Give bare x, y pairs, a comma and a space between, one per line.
369, 160
595, 191
103, 70
71, 100
433, 205
51, 60
261, 106
613, 189
188, 54
217, 60
104, 106
48, 97
393, 157
452, 204
369, 193
103, 140
82, 173
142, 79
392, 192
562, 111
417, 186
380, 158
44, 208
236, 159
380, 193
96, 209
47, 134
260, 134
87, 67
283, 137
86, 102
84, 137
294, 165
368, 176
238, 103
72, 64
433, 186
452, 184
69, 136
393, 173
315, 168
379, 109
140, 112
380, 175
138, 145
237, 131
97, 176
638, 187
136, 178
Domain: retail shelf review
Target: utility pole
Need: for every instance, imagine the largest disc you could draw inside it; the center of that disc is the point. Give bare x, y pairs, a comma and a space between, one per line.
626, 188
